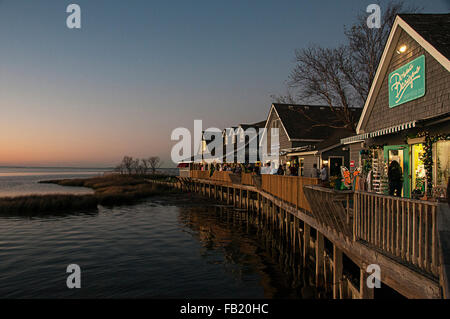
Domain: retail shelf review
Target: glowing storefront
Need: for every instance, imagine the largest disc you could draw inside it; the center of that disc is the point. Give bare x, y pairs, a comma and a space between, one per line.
405, 125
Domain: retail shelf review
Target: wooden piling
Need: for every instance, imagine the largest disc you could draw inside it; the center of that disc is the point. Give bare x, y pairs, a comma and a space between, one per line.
337, 272
319, 258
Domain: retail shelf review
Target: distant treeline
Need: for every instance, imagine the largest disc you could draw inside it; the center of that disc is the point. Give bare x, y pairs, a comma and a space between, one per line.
136, 166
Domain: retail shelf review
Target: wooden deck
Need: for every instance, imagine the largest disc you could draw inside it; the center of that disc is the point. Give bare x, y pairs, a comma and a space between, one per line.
399, 235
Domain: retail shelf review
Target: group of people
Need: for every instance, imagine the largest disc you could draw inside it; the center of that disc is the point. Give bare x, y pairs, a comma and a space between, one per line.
395, 174
268, 168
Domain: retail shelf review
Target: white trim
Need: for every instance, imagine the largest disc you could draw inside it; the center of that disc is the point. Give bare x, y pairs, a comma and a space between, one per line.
302, 153
330, 148
306, 140
267, 121
389, 49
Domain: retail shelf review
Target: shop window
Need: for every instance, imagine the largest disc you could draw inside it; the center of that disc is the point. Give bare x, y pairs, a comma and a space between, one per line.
302, 162
418, 171
441, 163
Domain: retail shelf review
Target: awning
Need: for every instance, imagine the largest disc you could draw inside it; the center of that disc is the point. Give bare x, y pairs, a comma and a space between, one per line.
393, 129
356, 138
385, 131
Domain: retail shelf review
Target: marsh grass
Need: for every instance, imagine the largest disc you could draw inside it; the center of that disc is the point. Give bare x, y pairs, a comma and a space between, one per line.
110, 190
46, 203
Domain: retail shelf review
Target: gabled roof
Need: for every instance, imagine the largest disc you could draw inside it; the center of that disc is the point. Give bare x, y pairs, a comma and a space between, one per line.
334, 139
254, 125
309, 122
431, 31
434, 28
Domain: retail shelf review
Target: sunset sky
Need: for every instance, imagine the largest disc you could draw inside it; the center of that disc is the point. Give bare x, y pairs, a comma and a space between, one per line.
138, 69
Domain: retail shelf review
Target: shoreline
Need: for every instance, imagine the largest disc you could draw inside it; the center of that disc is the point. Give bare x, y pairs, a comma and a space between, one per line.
109, 190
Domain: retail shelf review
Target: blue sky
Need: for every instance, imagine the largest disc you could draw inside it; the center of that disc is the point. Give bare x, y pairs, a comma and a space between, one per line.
138, 69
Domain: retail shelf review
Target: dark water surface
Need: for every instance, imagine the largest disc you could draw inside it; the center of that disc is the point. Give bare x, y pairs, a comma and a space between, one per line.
153, 249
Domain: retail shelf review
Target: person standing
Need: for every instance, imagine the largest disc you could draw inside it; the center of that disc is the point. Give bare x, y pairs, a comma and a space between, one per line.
273, 169
280, 170
395, 177
324, 174
315, 172
265, 169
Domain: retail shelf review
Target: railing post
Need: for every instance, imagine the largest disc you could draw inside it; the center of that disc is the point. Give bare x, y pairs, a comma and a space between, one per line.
364, 291
337, 272
306, 234
355, 214
319, 257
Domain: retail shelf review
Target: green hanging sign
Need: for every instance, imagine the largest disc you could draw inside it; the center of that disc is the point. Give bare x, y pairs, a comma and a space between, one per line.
407, 83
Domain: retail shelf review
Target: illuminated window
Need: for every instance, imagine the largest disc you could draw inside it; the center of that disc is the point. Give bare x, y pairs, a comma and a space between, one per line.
441, 163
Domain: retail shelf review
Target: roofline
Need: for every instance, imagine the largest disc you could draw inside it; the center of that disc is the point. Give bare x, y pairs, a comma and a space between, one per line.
265, 126
329, 148
306, 140
303, 153
389, 49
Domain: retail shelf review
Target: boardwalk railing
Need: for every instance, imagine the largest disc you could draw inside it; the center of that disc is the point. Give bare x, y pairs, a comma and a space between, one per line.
404, 228
247, 179
199, 174
221, 176
331, 208
288, 188
217, 176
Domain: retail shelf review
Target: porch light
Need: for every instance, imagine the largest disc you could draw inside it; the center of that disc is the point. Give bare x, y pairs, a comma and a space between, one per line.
402, 49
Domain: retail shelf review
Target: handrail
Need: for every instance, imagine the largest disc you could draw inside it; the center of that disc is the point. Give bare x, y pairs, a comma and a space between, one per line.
288, 188
331, 208
400, 227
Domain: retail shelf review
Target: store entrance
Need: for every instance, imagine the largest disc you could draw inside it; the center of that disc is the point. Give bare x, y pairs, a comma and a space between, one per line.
335, 165
399, 154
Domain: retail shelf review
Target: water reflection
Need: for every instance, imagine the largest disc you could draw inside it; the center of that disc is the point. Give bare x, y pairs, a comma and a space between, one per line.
248, 241
150, 250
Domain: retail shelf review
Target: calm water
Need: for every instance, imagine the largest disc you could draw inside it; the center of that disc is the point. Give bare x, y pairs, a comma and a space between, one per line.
25, 181
148, 250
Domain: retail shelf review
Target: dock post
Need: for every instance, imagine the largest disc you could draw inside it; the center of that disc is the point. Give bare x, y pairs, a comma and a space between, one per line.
228, 195
248, 199
259, 204
364, 291
319, 258
306, 233
337, 272
240, 198
294, 235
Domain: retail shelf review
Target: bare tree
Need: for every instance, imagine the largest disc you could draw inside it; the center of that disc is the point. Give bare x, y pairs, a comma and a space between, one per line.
366, 46
127, 163
154, 162
120, 169
135, 166
145, 166
341, 77
319, 79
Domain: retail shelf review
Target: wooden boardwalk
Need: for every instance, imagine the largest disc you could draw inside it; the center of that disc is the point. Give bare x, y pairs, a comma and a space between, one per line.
399, 235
